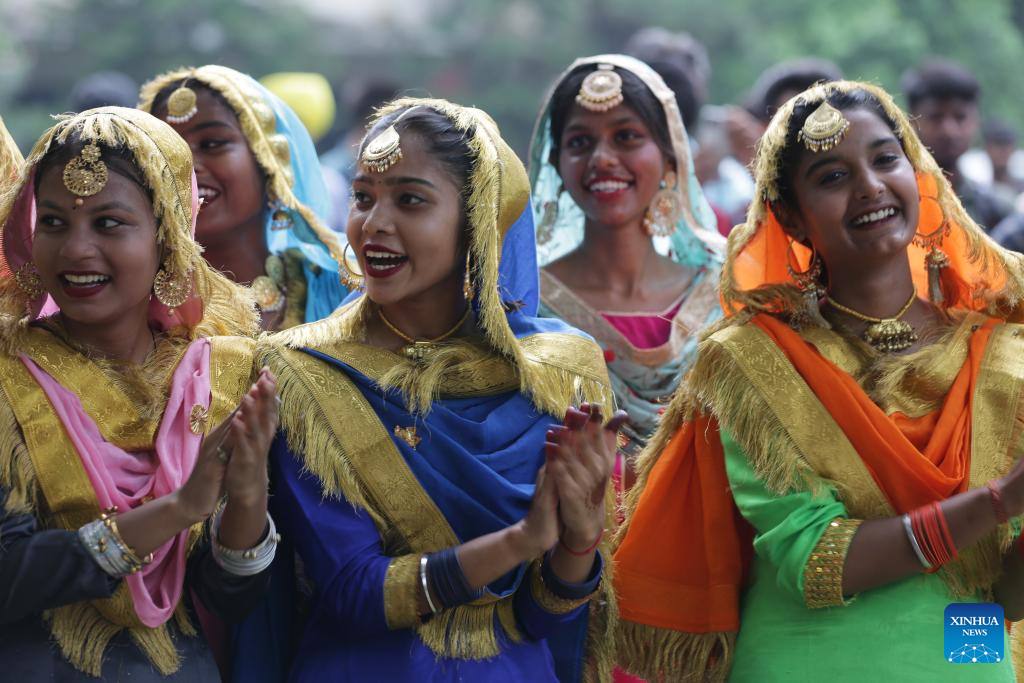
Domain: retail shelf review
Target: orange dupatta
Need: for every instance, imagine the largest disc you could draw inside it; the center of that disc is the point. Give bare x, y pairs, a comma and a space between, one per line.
682, 560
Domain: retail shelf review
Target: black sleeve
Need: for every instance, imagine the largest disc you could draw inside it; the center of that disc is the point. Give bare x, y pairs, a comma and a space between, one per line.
44, 568
228, 596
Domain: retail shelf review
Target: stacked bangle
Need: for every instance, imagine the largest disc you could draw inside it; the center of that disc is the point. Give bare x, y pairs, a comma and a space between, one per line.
445, 576
247, 562
103, 541
930, 530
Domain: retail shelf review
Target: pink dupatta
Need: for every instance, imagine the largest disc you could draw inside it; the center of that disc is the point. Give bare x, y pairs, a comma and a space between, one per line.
125, 480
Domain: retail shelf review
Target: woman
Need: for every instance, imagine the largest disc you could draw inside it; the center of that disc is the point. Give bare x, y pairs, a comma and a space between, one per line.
416, 421
628, 244
264, 200
860, 402
106, 477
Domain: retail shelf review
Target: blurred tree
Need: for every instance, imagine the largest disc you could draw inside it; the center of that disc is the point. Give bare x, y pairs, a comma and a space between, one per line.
498, 54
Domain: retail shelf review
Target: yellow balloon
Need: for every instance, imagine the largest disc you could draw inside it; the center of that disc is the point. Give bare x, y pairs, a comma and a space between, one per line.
309, 95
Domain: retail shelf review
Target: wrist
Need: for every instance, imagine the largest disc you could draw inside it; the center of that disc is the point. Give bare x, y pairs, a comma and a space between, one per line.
247, 502
184, 513
522, 546
580, 540
1010, 497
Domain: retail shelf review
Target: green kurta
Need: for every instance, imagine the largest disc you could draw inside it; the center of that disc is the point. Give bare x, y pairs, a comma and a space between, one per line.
893, 633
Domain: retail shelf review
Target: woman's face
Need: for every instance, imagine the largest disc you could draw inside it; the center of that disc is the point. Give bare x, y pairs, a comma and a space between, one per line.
610, 164
405, 226
230, 180
98, 260
858, 202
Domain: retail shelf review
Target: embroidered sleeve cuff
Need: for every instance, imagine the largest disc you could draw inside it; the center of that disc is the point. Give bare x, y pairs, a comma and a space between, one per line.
560, 597
401, 583
823, 574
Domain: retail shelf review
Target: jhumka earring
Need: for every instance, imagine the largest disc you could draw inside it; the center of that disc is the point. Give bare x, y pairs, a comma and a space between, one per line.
350, 278
809, 284
170, 290
935, 259
601, 90
86, 174
663, 213
280, 219
824, 128
28, 281
181, 105
549, 216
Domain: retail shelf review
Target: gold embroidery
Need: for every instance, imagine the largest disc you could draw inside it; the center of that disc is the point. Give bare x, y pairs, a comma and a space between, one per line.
780, 424
548, 601
83, 630
693, 315
823, 573
401, 586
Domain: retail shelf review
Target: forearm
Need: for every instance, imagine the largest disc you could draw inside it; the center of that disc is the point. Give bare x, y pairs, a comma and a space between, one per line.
490, 557
881, 552
149, 526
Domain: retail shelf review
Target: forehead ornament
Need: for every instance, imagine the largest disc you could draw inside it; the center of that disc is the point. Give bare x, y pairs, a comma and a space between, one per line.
86, 174
181, 105
385, 150
824, 128
601, 90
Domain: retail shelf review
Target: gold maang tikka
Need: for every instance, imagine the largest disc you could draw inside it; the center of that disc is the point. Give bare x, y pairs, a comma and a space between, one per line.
385, 150
86, 174
601, 90
824, 128
181, 105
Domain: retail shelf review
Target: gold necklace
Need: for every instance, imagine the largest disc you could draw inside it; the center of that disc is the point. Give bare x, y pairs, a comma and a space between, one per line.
419, 349
885, 334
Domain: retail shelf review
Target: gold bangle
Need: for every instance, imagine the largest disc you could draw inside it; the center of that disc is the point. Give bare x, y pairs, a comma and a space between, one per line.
127, 554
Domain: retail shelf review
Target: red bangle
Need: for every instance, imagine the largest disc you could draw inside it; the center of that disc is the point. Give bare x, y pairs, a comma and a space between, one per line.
581, 553
995, 490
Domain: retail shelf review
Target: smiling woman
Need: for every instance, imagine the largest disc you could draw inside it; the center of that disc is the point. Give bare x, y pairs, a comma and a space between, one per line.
111, 378
844, 431
264, 199
449, 516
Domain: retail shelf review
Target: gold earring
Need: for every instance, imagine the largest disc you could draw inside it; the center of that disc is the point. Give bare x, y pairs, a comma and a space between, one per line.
809, 284
935, 259
350, 278
27, 279
170, 290
546, 228
467, 285
663, 213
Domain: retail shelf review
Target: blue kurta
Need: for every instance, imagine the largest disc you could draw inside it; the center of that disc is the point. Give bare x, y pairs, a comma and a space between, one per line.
346, 637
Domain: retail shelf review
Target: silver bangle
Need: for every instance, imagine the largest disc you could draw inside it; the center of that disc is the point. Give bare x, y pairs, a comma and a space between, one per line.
423, 581
913, 542
105, 548
247, 562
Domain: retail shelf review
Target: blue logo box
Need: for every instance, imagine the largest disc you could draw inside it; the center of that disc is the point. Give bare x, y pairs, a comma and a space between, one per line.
975, 633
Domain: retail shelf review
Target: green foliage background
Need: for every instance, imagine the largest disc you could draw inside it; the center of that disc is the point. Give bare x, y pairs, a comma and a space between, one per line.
497, 54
